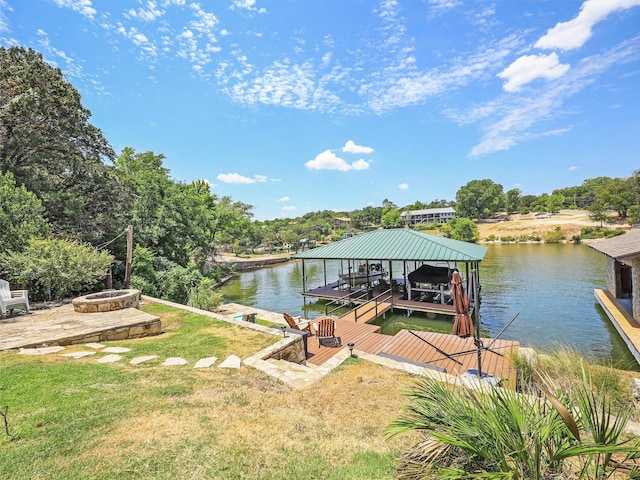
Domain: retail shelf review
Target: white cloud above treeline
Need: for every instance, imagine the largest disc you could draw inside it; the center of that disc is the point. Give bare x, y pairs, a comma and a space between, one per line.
351, 147
241, 179
328, 160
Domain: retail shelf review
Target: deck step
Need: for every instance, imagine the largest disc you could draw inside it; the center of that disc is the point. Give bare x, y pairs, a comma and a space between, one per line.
412, 362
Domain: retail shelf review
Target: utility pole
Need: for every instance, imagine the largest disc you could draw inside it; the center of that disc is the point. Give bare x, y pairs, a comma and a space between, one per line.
127, 270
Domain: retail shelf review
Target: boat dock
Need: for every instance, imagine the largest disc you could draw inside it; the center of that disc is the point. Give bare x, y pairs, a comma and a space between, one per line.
622, 320
332, 293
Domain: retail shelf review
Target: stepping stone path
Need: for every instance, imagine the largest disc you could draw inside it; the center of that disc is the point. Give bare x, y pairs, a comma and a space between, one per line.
78, 354
205, 362
145, 358
111, 358
116, 350
232, 361
174, 361
40, 351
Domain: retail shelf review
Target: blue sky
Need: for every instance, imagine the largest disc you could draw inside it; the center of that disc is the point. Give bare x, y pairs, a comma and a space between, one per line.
295, 106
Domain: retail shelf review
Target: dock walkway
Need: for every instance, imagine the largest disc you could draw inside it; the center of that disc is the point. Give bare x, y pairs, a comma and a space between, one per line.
622, 320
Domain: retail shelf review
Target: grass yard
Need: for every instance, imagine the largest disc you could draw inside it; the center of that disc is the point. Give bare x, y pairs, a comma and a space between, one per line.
81, 419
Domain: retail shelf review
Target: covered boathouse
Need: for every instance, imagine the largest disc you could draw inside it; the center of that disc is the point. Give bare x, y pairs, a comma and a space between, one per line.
621, 299
420, 282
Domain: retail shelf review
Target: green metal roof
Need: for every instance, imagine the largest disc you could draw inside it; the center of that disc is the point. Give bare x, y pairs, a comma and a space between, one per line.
398, 244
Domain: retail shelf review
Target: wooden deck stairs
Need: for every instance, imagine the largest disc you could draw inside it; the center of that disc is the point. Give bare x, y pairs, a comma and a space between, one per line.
367, 312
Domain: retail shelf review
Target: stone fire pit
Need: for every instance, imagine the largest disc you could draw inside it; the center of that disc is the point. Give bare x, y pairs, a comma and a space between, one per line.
107, 301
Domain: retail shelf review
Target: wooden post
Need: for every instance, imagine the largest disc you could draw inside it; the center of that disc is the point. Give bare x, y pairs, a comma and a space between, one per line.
127, 270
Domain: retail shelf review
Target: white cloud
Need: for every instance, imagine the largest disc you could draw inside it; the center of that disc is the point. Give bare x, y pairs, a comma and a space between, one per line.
351, 147
249, 5
4, 26
531, 67
576, 32
328, 160
521, 118
573, 168
289, 208
284, 199
260, 178
148, 14
83, 7
403, 186
235, 178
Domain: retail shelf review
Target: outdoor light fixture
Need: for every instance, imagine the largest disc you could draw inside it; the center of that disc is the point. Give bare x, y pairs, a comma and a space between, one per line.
351, 345
284, 331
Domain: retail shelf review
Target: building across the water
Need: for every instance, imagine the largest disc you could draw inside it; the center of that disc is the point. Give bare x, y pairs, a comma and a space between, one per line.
621, 299
412, 218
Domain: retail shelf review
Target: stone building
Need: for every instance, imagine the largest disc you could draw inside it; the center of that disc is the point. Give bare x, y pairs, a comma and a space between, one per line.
623, 268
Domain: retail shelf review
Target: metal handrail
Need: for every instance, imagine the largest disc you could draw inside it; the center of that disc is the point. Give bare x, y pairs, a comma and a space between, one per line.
375, 305
341, 300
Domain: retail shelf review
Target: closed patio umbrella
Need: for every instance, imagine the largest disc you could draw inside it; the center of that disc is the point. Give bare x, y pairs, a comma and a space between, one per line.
463, 324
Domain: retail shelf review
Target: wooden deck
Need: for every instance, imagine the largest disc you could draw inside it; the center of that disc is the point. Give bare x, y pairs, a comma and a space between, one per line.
329, 293
622, 320
451, 353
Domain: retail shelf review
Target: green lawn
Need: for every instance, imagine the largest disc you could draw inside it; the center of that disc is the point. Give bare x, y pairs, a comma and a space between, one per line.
81, 419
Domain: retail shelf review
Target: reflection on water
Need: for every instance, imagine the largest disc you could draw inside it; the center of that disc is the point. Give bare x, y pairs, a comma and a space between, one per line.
550, 286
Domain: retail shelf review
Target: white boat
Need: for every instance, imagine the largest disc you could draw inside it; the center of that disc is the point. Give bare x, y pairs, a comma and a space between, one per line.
367, 274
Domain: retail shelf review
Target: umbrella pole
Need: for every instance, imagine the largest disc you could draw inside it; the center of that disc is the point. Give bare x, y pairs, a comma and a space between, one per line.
476, 312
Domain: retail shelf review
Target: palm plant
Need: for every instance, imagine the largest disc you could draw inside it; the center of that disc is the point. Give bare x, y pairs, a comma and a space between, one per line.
501, 434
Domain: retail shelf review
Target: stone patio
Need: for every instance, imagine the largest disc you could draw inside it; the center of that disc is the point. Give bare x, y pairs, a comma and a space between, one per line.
63, 326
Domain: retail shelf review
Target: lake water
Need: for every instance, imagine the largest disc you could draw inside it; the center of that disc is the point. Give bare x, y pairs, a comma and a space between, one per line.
550, 287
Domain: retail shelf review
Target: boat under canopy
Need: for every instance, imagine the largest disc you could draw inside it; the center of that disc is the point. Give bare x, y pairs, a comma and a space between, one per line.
414, 250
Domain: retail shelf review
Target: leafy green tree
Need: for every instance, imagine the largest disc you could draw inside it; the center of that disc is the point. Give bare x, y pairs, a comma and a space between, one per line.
20, 215
417, 205
617, 194
479, 199
388, 204
512, 200
143, 273
554, 203
597, 213
56, 269
48, 143
462, 229
367, 216
204, 297
391, 219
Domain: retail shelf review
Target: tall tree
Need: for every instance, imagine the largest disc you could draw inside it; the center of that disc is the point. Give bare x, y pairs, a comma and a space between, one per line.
479, 199
512, 200
20, 215
618, 194
48, 143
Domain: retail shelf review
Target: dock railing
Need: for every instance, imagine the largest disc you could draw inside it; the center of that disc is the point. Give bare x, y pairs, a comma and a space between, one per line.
347, 299
368, 308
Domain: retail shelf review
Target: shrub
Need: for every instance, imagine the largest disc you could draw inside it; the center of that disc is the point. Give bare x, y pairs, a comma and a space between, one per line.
491, 238
204, 297
56, 269
555, 236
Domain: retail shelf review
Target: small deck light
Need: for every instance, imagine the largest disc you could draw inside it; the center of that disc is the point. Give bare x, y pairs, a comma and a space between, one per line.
351, 345
284, 331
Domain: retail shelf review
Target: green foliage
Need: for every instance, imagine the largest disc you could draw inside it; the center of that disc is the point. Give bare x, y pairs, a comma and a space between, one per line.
499, 433
554, 203
48, 143
600, 232
175, 281
556, 236
143, 273
204, 297
479, 199
56, 269
512, 200
20, 215
391, 219
618, 194
462, 229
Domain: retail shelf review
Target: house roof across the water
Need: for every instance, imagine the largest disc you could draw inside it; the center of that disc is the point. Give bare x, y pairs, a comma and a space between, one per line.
398, 244
622, 247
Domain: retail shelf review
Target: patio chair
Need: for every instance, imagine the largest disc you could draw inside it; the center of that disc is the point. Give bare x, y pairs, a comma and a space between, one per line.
326, 329
297, 326
11, 299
